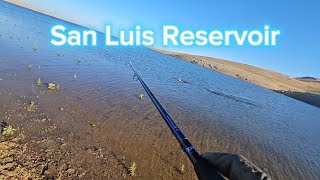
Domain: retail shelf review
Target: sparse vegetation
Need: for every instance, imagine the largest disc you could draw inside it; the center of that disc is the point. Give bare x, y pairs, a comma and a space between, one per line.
141, 96
182, 169
92, 125
31, 106
132, 169
52, 86
8, 131
99, 152
39, 83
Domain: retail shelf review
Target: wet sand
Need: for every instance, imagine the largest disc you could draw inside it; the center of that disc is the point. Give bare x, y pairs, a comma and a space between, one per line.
95, 125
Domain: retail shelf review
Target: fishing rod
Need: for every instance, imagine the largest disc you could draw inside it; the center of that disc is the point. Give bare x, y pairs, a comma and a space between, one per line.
231, 166
204, 169
183, 141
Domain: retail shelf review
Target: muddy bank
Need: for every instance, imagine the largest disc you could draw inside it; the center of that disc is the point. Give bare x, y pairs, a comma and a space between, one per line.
42, 148
16, 163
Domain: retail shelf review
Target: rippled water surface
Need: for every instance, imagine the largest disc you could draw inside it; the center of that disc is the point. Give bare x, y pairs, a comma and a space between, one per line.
216, 112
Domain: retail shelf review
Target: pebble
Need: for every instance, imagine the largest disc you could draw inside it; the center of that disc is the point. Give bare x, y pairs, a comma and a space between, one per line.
50, 144
71, 171
63, 147
7, 166
63, 167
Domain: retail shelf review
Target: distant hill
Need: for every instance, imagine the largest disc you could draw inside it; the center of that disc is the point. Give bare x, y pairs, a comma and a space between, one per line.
308, 79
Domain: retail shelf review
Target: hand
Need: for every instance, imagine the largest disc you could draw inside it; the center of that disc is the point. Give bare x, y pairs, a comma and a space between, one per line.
206, 171
231, 166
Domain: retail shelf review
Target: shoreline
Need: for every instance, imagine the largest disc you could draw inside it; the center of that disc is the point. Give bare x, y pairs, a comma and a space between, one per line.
307, 97
95, 125
304, 90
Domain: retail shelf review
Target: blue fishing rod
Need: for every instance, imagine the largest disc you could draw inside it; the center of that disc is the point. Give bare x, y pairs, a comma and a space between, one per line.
183, 141
185, 144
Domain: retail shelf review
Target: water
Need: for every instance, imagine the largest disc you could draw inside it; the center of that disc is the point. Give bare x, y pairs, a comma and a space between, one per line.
217, 112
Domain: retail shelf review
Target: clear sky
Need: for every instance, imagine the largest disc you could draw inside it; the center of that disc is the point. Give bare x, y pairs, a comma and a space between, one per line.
297, 52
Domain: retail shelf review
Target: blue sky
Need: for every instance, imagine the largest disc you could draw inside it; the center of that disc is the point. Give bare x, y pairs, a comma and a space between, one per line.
297, 52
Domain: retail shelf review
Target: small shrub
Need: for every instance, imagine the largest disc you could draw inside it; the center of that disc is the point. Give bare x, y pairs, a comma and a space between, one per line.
92, 125
98, 152
39, 83
51, 86
141, 96
132, 169
182, 169
31, 106
8, 131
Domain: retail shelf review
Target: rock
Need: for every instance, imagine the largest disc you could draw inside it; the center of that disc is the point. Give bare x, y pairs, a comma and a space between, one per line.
124, 175
81, 175
50, 144
46, 173
53, 168
63, 147
90, 150
49, 153
63, 167
71, 171
7, 166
